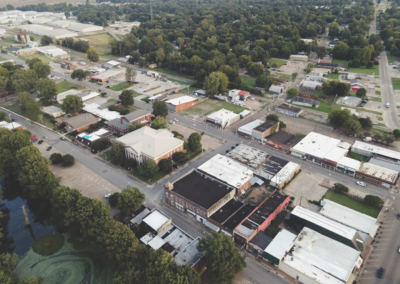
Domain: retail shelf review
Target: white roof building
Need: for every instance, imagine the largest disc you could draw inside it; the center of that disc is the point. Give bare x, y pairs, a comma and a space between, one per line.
315, 258
227, 170
41, 30
74, 26
368, 150
284, 174
247, 128
10, 125
150, 143
247, 155
311, 85
349, 163
190, 255
53, 111
111, 64
223, 118
384, 174
63, 95
275, 89
181, 100
278, 247
102, 113
316, 145
336, 154
106, 75
364, 224
52, 51
156, 220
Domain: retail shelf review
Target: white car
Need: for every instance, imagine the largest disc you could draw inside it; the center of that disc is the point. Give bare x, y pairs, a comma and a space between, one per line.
176, 119
107, 196
360, 183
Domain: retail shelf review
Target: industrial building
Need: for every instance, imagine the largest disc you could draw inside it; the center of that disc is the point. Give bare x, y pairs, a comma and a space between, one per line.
318, 259
228, 171
182, 103
52, 51
251, 157
223, 118
282, 141
103, 77
41, 30
369, 150
124, 25
76, 27
198, 195
150, 144
289, 110
246, 130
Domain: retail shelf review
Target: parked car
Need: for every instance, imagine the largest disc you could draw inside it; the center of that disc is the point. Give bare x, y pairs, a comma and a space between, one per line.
367, 139
398, 216
100, 90
176, 119
40, 142
380, 272
63, 138
202, 133
107, 195
49, 148
387, 105
360, 183
45, 137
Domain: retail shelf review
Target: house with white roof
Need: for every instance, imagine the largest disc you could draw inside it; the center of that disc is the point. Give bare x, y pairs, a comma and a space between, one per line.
150, 144
318, 259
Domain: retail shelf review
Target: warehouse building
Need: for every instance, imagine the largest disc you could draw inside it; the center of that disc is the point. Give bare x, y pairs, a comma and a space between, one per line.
198, 195
228, 171
52, 51
377, 175
246, 130
369, 150
76, 27
279, 246
305, 102
182, 103
103, 77
84, 95
223, 118
318, 259
41, 30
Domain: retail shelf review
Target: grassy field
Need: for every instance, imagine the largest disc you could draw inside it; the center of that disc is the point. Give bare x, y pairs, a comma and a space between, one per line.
65, 86
358, 157
396, 83
217, 105
44, 59
2, 59
374, 99
281, 76
152, 180
392, 58
14, 108
99, 43
361, 70
166, 71
249, 81
333, 76
121, 86
352, 203
279, 62
323, 107
48, 244
378, 93
111, 100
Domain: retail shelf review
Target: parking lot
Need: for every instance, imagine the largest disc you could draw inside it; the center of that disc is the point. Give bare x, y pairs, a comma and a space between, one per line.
149, 86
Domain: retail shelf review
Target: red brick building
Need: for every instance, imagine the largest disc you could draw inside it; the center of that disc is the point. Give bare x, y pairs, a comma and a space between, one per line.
181, 103
282, 141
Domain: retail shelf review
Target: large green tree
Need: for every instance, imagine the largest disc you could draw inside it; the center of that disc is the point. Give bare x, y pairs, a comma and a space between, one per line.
337, 118
126, 98
129, 199
159, 123
72, 104
42, 70
224, 259
32, 110
92, 54
160, 109
130, 74
148, 169
47, 91
78, 74
194, 142
352, 126
46, 40
24, 80
216, 83
117, 153
292, 92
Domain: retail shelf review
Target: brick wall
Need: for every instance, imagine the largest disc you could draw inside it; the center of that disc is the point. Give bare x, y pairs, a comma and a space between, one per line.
173, 199
170, 153
184, 106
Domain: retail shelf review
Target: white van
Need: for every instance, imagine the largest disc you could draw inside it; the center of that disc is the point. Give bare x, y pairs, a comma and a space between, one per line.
387, 105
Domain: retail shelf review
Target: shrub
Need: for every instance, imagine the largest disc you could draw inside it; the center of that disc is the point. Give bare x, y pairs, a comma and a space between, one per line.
113, 199
68, 160
165, 165
179, 157
56, 158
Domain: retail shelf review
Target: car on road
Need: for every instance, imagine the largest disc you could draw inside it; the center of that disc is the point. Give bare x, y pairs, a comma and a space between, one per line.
398, 249
63, 138
49, 148
107, 195
398, 216
202, 133
40, 142
176, 119
100, 90
380, 272
360, 183
13, 119
45, 137
387, 105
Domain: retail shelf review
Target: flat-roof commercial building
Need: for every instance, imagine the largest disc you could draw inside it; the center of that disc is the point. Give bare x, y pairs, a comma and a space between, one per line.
277, 171
310, 85
103, 77
331, 159
282, 141
314, 147
289, 110
261, 218
84, 95
276, 89
198, 195
41, 30
298, 57
105, 114
111, 64
351, 101
301, 217
80, 122
52, 51
228, 171
285, 175
370, 150
246, 130
223, 118
76, 27
248, 156
385, 163
150, 144
279, 246
348, 166
267, 128
259, 243
10, 125
318, 259
377, 175
364, 224
53, 111
180, 104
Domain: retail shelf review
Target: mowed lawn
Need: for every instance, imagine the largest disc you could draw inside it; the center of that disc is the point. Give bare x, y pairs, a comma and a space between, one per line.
396, 83
361, 70
249, 81
210, 106
278, 62
121, 86
65, 86
352, 203
100, 43
44, 59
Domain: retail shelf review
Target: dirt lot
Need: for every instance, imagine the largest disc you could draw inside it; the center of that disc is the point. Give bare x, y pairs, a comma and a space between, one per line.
78, 176
209, 143
305, 187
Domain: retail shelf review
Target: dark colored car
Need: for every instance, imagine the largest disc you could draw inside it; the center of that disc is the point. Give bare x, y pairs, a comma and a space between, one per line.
49, 148
380, 272
40, 142
175, 166
202, 133
398, 216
